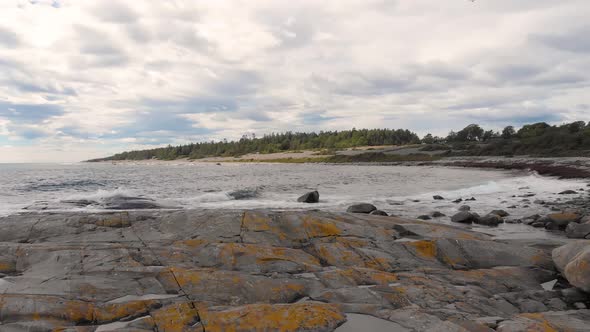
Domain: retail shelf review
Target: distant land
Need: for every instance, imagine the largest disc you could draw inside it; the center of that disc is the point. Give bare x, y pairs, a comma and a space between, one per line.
383, 145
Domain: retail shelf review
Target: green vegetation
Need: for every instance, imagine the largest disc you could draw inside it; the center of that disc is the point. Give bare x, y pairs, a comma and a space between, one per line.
288, 141
538, 139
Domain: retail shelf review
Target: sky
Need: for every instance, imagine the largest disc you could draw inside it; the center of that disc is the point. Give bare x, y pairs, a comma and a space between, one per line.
86, 79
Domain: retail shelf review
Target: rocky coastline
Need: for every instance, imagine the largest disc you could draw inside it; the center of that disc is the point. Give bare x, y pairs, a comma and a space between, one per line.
262, 270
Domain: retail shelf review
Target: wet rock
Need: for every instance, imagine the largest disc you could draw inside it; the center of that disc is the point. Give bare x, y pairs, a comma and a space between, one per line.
512, 207
500, 213
578, 231
489, 220
463, 217
538, 224
361, 208
464, 208
424, 217
458, 200
471, 199
568, 192
378, 213
120, 202
437, 214
310, 197
561, 220
438, 197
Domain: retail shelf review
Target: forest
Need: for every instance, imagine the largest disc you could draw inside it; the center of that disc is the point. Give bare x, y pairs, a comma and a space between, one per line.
538, 139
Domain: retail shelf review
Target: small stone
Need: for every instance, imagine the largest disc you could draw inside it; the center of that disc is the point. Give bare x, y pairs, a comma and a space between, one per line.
437, 214
438, 197
458, 200
489, 220
464, 208
379, 213
463, 217
580, 305
500, 213
568, 192
310, 197
424, 217
471, 199
361, 208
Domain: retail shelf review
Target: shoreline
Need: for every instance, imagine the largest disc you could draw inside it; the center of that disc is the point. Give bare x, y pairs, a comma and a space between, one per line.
565, 168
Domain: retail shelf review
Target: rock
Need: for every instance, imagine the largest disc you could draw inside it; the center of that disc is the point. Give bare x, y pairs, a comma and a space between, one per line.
463, 217
573, 260
361, 208
578, 231
378, 213
539, 201
489, 220
500, 213
437, 214
120, 202
538, 224
264, 270
464, 208
568, 192
471, 199
512, 207
561, 220
438, 197
458, 200
310, 197
424, 217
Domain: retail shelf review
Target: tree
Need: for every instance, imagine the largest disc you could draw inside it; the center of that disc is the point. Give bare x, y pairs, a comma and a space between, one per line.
470, 133
508, 132
428, 139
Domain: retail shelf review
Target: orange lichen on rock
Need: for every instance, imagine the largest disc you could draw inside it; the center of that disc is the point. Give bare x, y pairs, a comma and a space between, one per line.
280, 317
176, 317
320, 228
230, 253
7, 266
425, 249
256, 222
541, 324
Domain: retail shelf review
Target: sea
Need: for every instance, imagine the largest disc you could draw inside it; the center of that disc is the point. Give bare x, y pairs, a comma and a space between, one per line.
405, 191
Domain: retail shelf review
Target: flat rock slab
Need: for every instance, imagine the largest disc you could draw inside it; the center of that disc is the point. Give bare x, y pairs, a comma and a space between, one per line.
205, 270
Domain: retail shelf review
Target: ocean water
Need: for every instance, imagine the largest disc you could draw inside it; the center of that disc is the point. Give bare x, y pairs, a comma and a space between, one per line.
400, 190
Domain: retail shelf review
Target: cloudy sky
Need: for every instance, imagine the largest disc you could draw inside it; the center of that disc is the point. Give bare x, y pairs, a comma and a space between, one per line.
82, 79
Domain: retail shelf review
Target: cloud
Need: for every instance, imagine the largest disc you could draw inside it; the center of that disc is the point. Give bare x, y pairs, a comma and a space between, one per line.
98, 77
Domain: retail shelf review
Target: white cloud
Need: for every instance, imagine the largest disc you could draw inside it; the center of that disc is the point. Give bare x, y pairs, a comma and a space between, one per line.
81, 79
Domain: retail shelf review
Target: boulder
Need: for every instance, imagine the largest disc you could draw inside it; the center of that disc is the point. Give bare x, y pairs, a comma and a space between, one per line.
568, 192
464, 217
489, 220
561, 220
361, 208
578, 231
464, 208
573, 260
310, 197
438, 197
437, 214
500, 213
379, 213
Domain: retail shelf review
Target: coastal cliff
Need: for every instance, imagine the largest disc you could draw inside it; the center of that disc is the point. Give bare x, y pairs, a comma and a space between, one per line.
207, 270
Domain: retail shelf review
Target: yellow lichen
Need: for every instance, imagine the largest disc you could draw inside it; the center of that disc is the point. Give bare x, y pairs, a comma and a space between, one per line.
281, 318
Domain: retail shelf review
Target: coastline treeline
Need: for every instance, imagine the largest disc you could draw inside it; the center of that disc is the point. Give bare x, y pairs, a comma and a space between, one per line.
537, 139
289, 141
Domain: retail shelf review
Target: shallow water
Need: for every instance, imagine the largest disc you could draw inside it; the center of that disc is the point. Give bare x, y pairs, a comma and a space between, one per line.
401, 190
